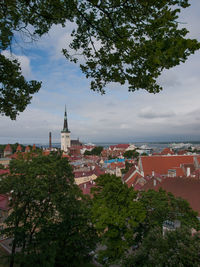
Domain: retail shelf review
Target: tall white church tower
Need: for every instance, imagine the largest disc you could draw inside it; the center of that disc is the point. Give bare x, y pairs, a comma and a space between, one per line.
65, 135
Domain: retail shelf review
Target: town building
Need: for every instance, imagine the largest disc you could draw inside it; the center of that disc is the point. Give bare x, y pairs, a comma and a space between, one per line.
65, 135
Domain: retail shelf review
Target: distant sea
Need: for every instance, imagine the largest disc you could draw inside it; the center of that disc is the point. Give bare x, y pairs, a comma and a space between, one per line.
156, 146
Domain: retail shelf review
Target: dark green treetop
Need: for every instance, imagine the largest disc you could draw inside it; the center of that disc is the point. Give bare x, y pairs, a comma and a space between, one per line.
49, 218
175, 248
116, 214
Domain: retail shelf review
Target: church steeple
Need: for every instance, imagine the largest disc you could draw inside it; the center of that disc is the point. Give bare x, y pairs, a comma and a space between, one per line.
65, 126
65, 135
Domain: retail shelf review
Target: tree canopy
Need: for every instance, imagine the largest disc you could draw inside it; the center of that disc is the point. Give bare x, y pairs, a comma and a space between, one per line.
49, 218
175, 248
123, 41
95, 151
125, 220
161, 206
131, 154
116, 214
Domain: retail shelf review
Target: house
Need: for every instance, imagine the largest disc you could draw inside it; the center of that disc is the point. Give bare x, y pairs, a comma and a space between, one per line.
19, 148
27, 149
7, 150
172, 165
86, 187
5, 161
185, 187
167, 151
131, 177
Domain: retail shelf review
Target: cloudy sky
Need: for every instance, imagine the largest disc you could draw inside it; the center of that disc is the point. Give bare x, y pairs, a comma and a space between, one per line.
117, 116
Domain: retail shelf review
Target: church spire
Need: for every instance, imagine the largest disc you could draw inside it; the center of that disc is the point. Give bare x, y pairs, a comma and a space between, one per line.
65, 126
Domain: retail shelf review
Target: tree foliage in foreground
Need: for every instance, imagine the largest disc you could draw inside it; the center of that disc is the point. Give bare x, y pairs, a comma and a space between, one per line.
121, 41
124, 218
175, 249
115, 214
161, 206
50, 218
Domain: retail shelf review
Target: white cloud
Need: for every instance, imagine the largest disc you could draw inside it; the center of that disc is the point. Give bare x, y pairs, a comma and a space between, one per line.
117, 116
23, 60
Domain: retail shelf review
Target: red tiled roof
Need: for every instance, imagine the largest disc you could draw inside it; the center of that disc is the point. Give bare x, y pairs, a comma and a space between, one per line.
187, 188
182, 152
19, 148
129, 172
3, 202
167, 151
86, 187
79, 174
8, 148
3, 171
46, 152
133, 179
27, 149
161, 164
120, 146
179, 171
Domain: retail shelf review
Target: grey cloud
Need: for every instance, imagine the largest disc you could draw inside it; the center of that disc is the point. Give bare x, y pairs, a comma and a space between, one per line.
149, 114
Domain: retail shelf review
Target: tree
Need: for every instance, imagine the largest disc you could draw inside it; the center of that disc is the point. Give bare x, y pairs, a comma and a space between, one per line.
95, 151
131, 154
176, 248
15, 91
116, 214
49, 218
1, 166
127, 167
138, 40
161, 206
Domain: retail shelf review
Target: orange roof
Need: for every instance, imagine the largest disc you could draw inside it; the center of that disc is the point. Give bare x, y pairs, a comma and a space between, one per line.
8, 148
167, 151
46, 152
179, 171
34, 147
19, 148
161, 164
187, 188
27, 149
133, 179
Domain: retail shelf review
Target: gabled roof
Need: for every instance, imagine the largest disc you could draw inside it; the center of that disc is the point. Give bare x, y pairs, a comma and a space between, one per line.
167, 151
187, 188
119, 146
8, 148
19, 148
86, 187
34, 147
129, 173
27, 149
131, 177
161, 164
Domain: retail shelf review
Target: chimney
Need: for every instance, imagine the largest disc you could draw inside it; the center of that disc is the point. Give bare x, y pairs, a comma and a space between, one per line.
188, 171
50, 146
153, 173
154, 182
85, 185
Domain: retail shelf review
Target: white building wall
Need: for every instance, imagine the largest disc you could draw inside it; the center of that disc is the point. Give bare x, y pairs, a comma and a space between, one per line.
65, 141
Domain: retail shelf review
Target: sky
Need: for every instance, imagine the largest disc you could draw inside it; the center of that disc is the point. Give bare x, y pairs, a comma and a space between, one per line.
118, 116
